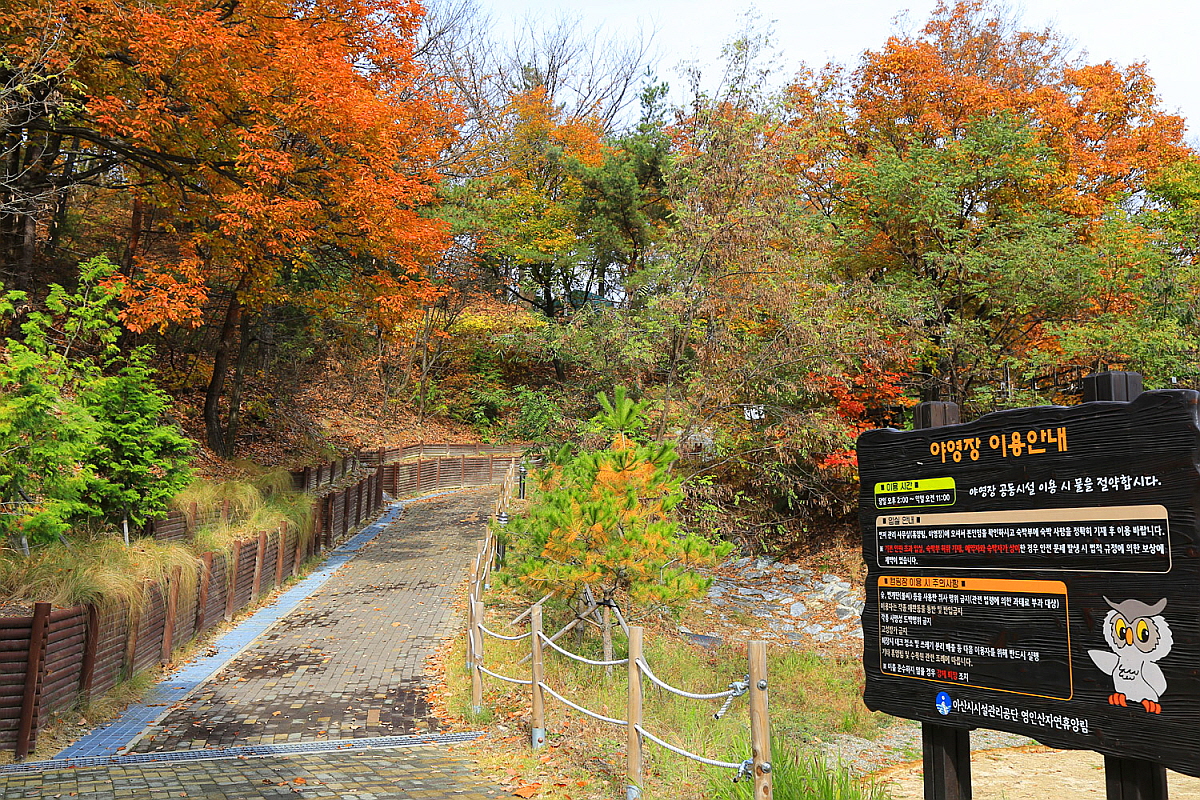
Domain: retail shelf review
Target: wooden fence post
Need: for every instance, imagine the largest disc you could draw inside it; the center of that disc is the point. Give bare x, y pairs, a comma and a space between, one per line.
760, 724
205, 584
345, 513
491, 468
462, 479
172, 609
539, 701
131, 641
280, 546
418, 489
231, 568
633, 717
34, 669
298, 558
259, 556
945, 751
87, 670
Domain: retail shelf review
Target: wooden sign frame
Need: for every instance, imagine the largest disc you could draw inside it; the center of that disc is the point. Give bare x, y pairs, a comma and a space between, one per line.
1004, 556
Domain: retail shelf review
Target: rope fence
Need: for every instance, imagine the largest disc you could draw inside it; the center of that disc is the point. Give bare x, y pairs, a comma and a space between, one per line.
495, 635
620, 662
757, 767
579, 708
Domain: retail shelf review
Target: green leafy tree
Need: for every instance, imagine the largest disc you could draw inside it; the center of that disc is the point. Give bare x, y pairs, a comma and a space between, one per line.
139, 462
83, 437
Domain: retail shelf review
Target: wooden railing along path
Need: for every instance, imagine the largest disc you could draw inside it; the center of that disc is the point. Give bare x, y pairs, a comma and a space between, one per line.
56, 658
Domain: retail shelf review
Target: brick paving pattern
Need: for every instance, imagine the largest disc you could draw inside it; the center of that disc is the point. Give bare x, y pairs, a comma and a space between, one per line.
349, 662
399, 774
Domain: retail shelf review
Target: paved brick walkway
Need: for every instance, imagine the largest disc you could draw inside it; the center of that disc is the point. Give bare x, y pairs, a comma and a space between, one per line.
401, 774
349, 662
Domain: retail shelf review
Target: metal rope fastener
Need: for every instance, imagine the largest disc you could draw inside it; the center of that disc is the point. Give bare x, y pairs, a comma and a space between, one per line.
737, 689
712, 762
493, 634
690, 695
484, 669
581, 709
569, 654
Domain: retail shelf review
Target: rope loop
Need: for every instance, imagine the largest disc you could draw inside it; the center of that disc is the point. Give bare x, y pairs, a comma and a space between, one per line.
690, 695
484, 669
737, 689
546, 640
493, 634
712, 762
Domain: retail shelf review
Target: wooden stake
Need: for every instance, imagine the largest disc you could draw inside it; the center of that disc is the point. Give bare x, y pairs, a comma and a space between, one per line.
566, 628
34, 672
633, 715
528, 611
477, 658
760, 722
538, 735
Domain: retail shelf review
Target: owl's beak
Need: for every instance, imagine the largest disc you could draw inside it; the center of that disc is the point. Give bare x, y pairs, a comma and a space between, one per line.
1129, 635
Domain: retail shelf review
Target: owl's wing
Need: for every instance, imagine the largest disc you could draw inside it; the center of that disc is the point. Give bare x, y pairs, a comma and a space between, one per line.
1106, 660
1152, 674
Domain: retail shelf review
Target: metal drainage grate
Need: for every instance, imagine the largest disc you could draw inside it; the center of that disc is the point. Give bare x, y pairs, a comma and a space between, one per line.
248, 751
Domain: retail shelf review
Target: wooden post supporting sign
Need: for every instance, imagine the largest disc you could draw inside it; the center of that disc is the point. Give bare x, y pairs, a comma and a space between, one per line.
1125, 778
946, 751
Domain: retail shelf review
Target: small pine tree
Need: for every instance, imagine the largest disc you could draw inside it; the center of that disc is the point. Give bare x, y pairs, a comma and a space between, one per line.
82, 435
603, 520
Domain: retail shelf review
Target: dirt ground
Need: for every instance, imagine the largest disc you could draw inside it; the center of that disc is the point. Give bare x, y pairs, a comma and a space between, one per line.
1030, 773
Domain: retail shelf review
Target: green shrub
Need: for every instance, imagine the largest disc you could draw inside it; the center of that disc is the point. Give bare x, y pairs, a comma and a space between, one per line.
801, 776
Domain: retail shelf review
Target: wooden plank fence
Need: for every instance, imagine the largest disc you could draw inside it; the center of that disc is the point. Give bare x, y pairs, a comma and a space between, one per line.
55, 658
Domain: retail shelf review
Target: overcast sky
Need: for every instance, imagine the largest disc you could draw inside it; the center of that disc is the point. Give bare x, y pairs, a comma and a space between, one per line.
1162, 33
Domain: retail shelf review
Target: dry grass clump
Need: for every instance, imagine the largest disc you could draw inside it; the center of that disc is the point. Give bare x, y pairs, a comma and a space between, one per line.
100, 569
264, 501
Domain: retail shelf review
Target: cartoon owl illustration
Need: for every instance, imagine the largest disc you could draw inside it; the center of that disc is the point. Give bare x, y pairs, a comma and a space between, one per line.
1139, 638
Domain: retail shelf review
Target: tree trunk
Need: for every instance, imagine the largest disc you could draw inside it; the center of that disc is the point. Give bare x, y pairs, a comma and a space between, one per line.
216, 385
239, 381
606, 638
136, 223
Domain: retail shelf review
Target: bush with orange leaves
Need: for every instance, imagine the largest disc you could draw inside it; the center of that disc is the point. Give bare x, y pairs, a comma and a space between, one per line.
603, 521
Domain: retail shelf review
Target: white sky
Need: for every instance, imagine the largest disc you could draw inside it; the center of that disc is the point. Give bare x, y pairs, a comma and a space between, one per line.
1162, 33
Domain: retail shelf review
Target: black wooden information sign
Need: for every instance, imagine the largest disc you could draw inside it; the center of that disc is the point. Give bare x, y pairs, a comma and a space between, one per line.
1038, 571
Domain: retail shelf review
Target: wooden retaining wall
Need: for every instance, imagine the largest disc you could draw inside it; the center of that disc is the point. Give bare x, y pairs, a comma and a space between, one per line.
54, 658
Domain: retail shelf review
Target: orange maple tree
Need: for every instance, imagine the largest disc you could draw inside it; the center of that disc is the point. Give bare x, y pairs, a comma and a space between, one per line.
971, 167
276, 139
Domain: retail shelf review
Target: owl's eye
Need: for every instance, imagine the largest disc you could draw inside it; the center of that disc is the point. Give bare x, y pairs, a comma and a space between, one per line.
1142, 631
1119, 628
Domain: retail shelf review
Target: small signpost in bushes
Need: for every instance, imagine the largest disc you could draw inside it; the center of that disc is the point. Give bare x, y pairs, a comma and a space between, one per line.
1038, 571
